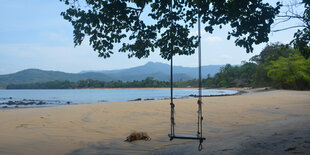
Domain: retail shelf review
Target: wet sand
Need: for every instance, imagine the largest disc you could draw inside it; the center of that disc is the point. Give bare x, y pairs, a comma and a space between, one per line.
263, 122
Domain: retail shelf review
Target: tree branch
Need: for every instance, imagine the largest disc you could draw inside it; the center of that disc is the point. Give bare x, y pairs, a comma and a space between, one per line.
291, 27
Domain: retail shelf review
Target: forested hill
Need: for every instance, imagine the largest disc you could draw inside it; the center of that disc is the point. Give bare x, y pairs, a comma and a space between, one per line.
37, 75
159, 71
278, 66
153, 68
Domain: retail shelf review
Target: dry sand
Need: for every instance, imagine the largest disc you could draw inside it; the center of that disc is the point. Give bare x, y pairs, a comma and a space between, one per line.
265, 122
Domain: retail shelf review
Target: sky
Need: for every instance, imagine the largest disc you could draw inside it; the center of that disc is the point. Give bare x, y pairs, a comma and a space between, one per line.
34, 35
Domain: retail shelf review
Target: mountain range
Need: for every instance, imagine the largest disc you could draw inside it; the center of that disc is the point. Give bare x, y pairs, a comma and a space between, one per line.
159, 71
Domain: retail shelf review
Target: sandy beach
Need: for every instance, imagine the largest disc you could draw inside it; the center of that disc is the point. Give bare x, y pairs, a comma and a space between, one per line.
261, 122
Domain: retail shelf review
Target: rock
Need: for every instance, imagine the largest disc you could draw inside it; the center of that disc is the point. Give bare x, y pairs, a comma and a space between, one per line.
41, 103
10, 103
291, 148
138, 99
149, 99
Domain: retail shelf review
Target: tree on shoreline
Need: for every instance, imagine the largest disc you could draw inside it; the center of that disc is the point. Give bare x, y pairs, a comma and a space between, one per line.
291, 73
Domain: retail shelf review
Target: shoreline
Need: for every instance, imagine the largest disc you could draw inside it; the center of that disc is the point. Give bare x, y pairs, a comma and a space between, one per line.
111, 88
267, 122
220, 88
12, 103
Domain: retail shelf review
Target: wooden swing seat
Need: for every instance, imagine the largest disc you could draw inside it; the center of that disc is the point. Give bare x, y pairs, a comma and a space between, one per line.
184, 136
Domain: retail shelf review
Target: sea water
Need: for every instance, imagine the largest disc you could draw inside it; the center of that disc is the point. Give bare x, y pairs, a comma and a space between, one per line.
55, 97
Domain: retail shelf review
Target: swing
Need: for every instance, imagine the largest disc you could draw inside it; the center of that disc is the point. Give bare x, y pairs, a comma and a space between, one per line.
198, 136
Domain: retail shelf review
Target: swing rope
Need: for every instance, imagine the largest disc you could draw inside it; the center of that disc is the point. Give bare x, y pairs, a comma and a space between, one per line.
171, 75
200, 118
199, 102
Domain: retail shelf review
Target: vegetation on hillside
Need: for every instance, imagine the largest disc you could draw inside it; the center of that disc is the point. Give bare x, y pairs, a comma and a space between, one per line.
278, 66
159, 71
148, 82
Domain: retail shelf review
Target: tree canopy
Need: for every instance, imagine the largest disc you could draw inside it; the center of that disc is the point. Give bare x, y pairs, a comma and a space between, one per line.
278, 66
108, 22
301, 39
272, 52
291, 72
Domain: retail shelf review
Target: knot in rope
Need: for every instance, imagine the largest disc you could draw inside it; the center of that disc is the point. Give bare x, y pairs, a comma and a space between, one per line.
200, 145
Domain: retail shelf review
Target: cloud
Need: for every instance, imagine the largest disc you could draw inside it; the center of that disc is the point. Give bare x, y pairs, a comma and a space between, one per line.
195, 33
212, 39
49, 57
59, 37
16, 57
225, 56
1, 70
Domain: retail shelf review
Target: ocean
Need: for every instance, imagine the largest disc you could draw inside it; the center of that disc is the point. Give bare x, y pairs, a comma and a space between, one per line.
22, 98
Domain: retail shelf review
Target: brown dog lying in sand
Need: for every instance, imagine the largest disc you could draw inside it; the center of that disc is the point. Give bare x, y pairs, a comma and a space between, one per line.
138, 136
